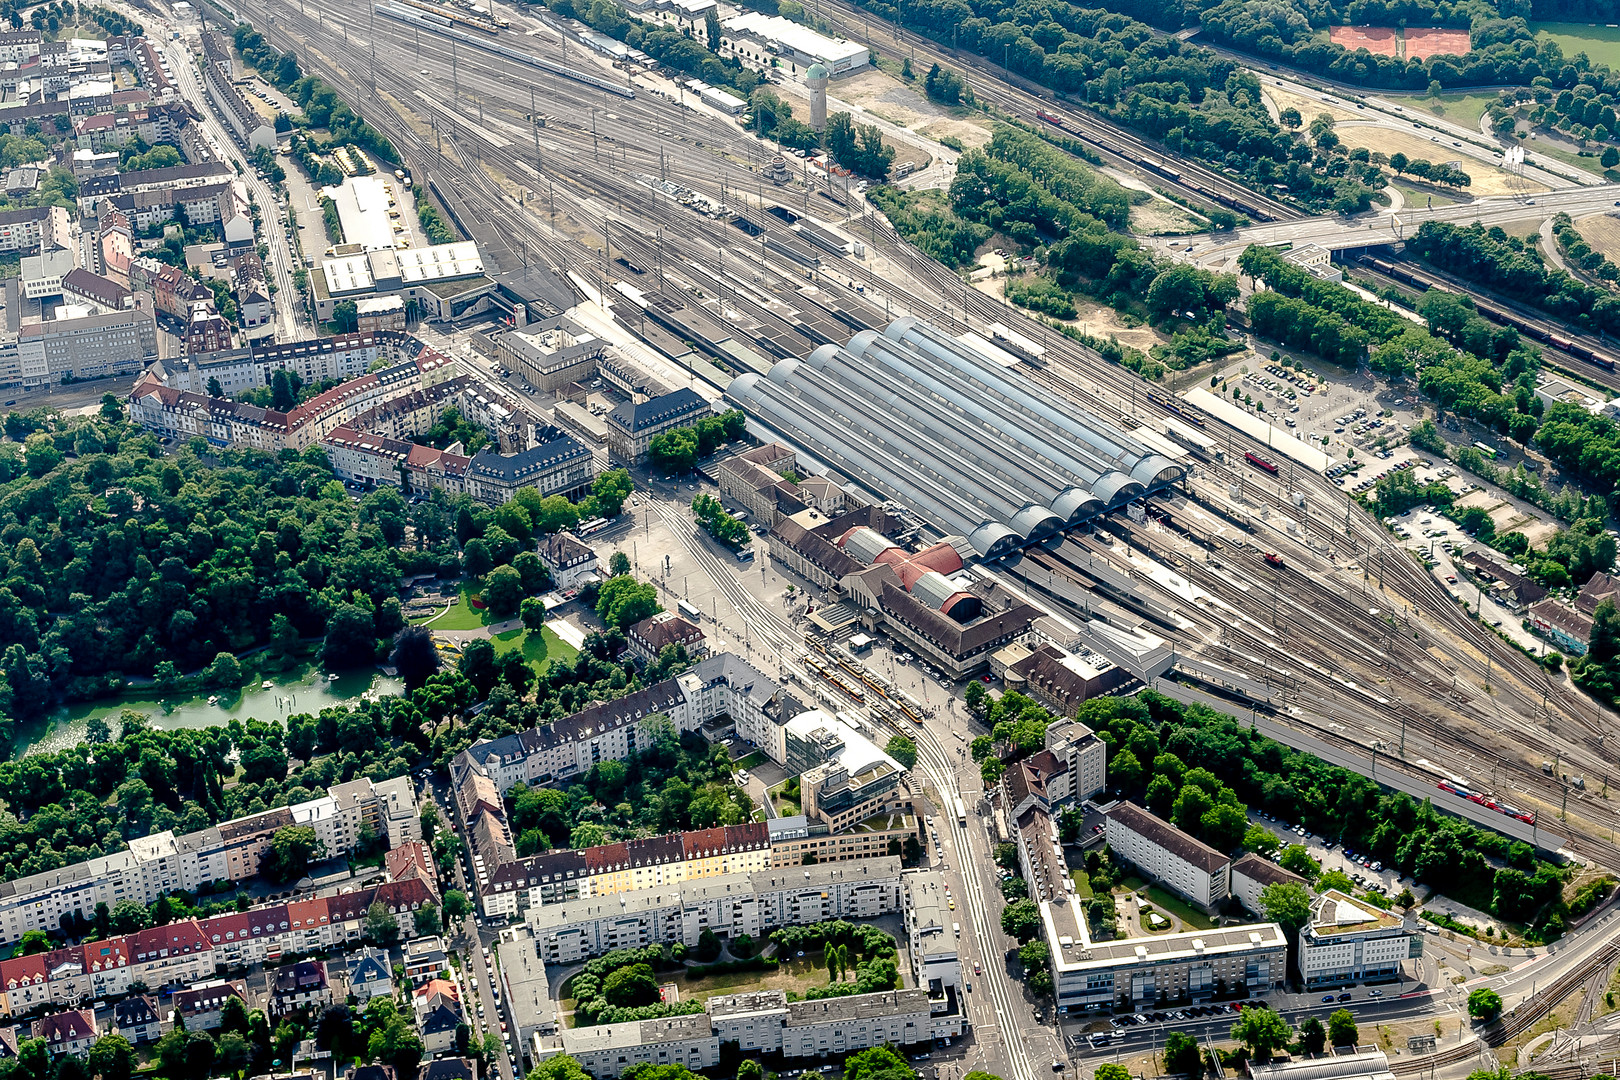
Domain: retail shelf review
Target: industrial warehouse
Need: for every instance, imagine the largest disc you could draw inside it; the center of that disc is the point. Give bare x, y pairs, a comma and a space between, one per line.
942, 428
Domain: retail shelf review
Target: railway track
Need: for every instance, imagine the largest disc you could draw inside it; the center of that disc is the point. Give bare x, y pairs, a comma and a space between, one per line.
617, 199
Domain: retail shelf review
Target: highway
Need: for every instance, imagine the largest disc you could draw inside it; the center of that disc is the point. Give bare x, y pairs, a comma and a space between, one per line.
1220, 249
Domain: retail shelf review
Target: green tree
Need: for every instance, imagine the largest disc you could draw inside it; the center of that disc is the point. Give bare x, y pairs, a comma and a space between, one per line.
1312, 1035
1342, 1028
1260, 839
1124, 770
902, 750
533, 613
623, 601
292, 847
476, 559
224, 673
1262, 1031
1182, 1056
456, 907
750, 1069
611, 489
381, 926
1223, 826
555, 514
503, 591
1297, 857
426, 920
1021, 919
1286, 903
345, 316
477, 663
1484, 1004
112, 1058
631, 986
127, 917
618, 564
1611, 157
561, 1067
36, 941
1108, 1070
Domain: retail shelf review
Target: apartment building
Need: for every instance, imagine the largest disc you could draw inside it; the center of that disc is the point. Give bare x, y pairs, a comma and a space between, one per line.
162, 862
34, 228
795, 838
933, 935
252, 130
555, 876
1251, 874
557, 464
85, 346
761, 1022
724, 684
1165, 854
730, 904
1144, 972
1347, 942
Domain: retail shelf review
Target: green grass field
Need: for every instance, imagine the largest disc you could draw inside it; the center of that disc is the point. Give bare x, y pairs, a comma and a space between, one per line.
1461, 107
541, 650
1420, 199
462, 616
1188, 914
1601, 43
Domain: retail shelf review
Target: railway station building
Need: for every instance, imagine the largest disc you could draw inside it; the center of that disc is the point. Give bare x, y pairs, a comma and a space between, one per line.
975, 449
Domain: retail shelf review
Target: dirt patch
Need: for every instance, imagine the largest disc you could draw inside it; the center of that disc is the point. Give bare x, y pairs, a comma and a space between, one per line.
1157, 217
887, 97
1602, 231
1378, 40
1422, 44
1309, 107
970, 134
1487, 178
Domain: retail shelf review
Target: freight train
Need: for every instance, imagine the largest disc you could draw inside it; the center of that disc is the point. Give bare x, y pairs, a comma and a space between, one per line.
1529, 328
1156, 166
1456, 787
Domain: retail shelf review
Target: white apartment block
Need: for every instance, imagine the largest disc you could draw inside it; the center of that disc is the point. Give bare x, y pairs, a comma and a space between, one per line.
762, 1022
1086, 756
722, 685
1351, 942
1169, 856
933, 936
1137, 973
162, 862
85, 346
31, 229
729, 905
1250, 876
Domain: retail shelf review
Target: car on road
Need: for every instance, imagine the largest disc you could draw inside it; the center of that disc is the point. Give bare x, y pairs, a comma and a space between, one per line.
1327, 999
976, 967
1375, 993
1346, 997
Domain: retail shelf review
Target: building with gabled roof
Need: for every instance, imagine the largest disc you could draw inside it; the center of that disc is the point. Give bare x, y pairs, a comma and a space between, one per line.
71, 1033
632, 426
1165, 854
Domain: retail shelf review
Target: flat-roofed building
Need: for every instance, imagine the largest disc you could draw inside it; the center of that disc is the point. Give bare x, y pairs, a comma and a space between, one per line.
1349, 941
552, 353
1165, 854
933, 943
1135, 973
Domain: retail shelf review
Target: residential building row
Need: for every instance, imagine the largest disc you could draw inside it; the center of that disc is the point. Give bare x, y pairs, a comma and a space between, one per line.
761, 1022
191, 951
250, 128
729, 905
153, 865
513, 886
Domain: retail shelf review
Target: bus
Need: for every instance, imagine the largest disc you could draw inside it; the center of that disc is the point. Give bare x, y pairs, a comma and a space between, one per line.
1487, 449
961, 811
595, 525
689, 610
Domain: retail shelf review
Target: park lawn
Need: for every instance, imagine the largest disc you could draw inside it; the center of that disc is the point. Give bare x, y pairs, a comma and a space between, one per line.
1419, 200
1188, 914
1601, 43
540, 650
1461, 108
752, 761
1082, 884
461, 616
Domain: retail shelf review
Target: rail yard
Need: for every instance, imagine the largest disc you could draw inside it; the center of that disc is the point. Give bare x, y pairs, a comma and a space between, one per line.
1030, 516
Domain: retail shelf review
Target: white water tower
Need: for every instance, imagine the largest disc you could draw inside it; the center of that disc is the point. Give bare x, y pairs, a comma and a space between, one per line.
816, 78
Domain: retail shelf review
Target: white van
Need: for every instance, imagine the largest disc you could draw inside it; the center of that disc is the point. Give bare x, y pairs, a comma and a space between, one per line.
956, 928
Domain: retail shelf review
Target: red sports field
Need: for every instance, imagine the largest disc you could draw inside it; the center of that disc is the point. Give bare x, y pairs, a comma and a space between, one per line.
1379, 40
1422, 44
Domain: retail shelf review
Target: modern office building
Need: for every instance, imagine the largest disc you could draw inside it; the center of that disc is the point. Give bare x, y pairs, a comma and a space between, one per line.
1349, 941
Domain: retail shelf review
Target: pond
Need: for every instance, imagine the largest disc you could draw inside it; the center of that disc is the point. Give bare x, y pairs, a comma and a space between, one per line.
301, 690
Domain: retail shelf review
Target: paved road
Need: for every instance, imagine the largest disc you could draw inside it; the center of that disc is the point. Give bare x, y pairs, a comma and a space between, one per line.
1379, 226
291, 323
